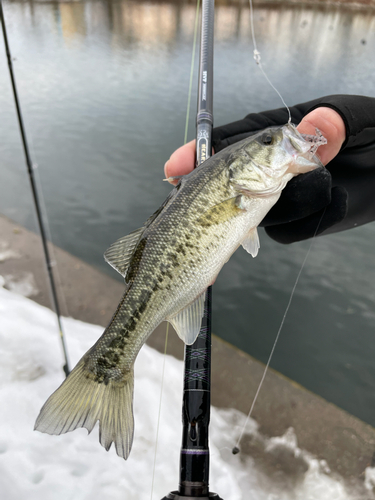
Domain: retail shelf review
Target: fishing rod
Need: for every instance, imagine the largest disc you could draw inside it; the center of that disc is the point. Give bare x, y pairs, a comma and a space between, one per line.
34, 190
195, 454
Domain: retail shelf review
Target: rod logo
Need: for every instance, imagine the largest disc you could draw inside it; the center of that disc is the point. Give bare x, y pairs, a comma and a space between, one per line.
202, 146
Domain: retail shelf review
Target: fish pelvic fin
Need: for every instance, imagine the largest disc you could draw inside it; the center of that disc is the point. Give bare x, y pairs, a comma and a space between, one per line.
251, 242
187, 322
81, 401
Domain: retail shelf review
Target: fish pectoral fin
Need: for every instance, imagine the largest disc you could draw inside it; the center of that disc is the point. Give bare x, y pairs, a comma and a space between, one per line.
120, 252
187, 322
251, 242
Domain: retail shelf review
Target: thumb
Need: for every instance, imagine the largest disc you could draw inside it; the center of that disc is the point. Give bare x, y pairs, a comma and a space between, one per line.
331, 125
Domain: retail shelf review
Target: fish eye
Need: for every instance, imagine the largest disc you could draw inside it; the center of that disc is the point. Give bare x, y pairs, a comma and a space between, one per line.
267, 139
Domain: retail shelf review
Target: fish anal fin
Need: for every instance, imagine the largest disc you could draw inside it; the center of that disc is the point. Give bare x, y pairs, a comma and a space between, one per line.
251, 242
187, 322
81, 401
120, 252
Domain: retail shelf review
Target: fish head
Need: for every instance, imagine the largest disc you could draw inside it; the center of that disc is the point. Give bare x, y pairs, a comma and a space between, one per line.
267, 160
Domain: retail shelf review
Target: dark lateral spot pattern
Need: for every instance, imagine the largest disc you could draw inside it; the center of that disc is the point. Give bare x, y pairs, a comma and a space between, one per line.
174, 259
167, 252
135, 261
107, 364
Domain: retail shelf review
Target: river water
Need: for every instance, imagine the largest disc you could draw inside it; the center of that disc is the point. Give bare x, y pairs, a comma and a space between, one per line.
103, 87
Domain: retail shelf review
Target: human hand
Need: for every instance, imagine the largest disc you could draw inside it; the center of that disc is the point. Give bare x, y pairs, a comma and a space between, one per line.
299, 211
309, 205
328, 121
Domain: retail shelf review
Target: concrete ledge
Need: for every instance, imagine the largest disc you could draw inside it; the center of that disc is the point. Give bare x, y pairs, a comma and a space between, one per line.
329, 433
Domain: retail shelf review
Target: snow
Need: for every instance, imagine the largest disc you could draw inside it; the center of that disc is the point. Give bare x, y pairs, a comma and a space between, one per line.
35, 466
370, 478
6, 252
23, 284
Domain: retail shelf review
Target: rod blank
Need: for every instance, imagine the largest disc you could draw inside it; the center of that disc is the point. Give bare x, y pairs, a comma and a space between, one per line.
30, 171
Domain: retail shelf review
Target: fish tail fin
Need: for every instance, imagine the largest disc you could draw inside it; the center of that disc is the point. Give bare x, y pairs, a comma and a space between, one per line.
81, 401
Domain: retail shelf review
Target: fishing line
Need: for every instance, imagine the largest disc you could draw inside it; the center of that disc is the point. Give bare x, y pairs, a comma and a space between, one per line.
160, 399
257, 59
36, 198
236, 448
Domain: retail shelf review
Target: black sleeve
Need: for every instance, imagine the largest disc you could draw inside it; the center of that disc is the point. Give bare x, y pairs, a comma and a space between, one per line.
352, 169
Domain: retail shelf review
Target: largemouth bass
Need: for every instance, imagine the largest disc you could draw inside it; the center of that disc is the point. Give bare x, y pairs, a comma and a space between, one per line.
168, 265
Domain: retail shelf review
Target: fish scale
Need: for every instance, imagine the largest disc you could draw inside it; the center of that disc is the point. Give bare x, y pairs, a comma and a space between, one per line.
167, 265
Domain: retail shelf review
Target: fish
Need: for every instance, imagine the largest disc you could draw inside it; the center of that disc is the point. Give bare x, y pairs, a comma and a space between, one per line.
167, 265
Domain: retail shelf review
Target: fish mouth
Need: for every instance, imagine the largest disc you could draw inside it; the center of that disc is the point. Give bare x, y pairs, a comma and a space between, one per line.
302, 148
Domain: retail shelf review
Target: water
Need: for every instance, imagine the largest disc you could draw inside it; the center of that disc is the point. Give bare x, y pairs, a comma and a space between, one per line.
103, 87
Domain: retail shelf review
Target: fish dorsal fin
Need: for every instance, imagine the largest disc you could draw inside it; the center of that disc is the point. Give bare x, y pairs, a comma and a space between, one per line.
251, 242
120, 252
187, 322
165, 203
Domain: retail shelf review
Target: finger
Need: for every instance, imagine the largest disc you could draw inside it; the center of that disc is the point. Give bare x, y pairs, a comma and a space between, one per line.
181, 162
316, 223
331, 125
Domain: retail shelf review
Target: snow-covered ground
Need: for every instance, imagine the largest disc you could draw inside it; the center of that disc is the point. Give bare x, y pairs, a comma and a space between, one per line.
74, 466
